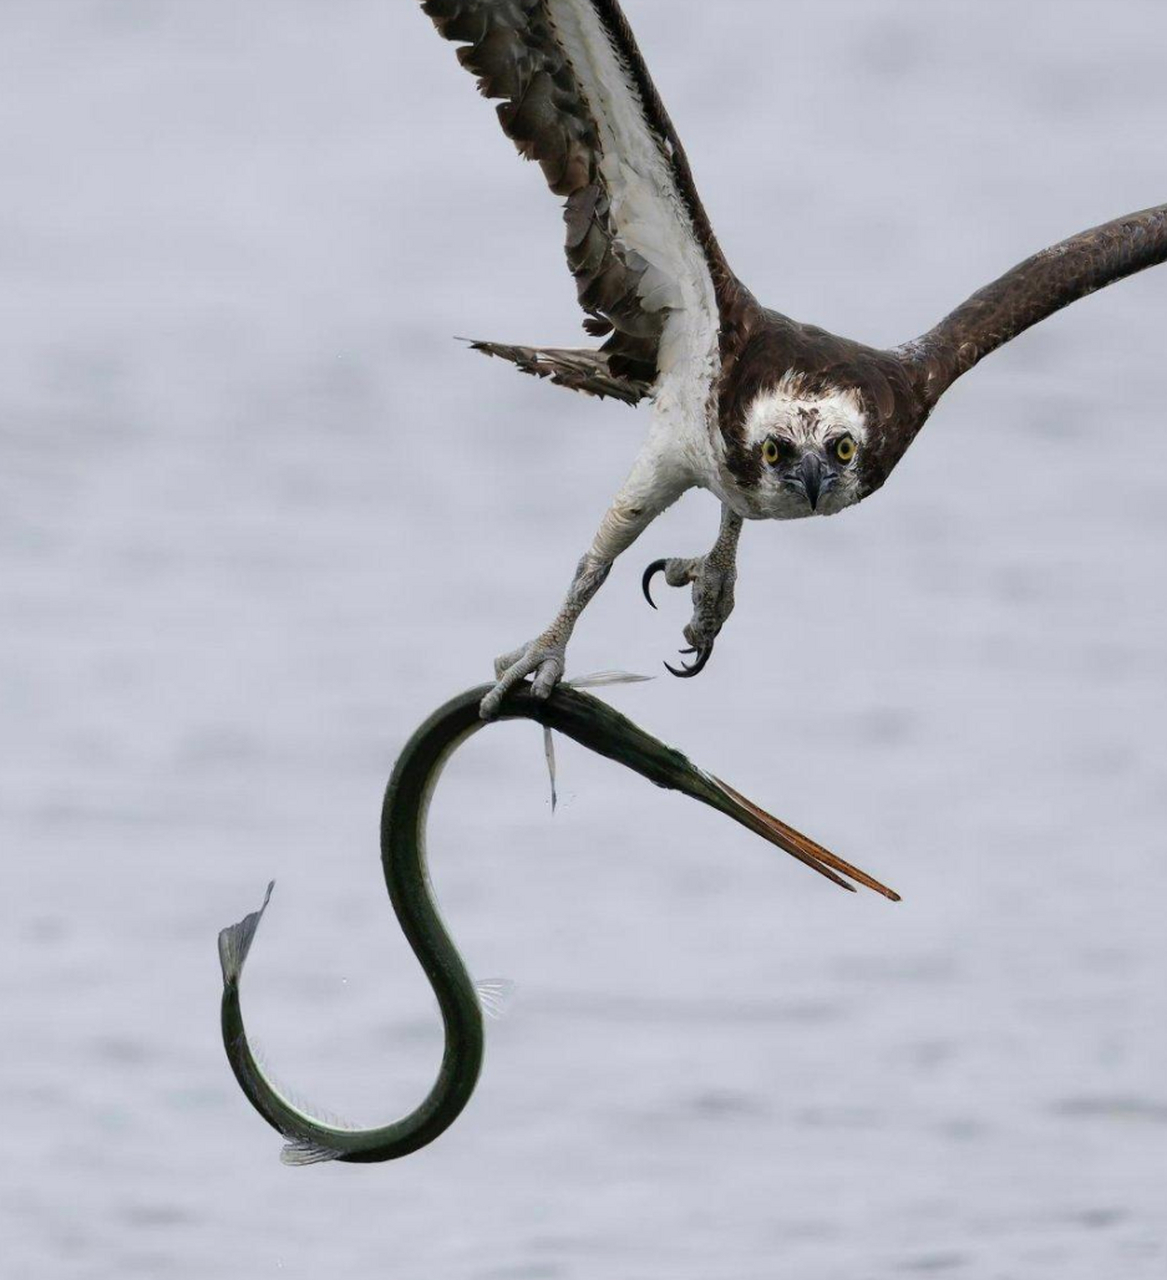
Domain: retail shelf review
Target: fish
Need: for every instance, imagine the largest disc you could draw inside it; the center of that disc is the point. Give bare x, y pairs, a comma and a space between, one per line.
570, 711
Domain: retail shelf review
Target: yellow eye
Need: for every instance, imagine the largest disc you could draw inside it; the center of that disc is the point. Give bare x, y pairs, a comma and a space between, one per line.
845, 449
770, 452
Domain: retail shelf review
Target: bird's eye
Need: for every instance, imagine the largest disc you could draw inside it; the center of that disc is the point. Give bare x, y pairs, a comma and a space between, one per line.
845, 449
770, 451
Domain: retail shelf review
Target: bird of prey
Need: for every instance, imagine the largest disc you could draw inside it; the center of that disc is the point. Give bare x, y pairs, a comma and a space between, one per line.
777, 419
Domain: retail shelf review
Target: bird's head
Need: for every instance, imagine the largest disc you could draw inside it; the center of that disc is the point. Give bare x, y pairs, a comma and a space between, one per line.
804, 443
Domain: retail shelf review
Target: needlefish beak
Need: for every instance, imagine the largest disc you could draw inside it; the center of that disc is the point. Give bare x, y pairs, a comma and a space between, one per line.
794, 842
605, 731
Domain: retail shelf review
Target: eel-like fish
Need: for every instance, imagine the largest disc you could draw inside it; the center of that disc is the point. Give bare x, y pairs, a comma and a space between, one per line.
403, 820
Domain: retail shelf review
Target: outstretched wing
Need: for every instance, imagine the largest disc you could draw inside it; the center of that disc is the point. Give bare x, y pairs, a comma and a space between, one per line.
578, 98
1037, 288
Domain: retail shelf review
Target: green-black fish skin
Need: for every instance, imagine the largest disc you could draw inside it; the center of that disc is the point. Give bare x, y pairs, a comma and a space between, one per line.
403, 820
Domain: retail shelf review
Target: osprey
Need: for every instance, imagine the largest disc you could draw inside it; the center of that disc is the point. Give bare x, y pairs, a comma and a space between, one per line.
777, 419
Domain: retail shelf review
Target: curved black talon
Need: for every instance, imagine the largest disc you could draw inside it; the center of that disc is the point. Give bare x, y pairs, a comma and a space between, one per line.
687, 673
657, 566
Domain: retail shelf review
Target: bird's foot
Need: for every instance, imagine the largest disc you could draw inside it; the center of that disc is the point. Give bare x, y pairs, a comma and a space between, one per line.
544, 658
713, 586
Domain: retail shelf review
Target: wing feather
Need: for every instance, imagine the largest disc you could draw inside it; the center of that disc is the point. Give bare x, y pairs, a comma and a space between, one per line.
577, 98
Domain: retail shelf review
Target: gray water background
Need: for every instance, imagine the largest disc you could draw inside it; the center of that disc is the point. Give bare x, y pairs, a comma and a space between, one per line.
259, 514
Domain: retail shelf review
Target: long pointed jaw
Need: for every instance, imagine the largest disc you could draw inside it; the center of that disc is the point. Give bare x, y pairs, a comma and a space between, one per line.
795, 843
604, 730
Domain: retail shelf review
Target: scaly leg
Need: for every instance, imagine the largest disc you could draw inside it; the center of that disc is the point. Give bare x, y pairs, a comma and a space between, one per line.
649, 489
713, 577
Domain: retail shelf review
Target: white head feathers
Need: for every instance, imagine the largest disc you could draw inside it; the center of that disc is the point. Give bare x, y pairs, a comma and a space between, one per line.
815, 434
794, 412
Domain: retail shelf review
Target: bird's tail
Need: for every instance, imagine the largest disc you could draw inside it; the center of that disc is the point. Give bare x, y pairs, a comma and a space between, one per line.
578, 369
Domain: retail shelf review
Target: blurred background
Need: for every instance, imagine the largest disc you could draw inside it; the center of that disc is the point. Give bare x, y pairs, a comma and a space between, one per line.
259, 514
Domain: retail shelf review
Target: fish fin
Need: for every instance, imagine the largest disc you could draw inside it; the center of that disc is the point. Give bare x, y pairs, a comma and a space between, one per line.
549, 755
599, 679
235, 941
596, 680
495, 995
298, 1152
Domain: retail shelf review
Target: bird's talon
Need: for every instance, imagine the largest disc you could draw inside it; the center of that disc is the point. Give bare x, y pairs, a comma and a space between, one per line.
712, 583
542, 659
657, 566
695, 668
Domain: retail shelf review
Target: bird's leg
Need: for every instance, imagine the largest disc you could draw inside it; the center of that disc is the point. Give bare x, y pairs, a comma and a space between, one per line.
546, 655
644, 495
713, 577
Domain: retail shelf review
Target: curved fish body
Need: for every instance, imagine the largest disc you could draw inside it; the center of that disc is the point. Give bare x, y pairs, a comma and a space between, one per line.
580, 716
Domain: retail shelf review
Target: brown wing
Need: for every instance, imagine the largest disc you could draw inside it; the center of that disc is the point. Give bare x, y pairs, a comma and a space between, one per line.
578, 98
1037, 288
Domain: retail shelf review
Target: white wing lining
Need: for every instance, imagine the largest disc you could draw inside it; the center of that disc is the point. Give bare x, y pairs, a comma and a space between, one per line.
649, 217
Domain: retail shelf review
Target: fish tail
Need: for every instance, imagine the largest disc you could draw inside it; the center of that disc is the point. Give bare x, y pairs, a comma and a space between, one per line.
235, 941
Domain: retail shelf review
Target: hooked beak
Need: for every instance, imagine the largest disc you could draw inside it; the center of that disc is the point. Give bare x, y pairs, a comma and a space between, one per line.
811, 474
